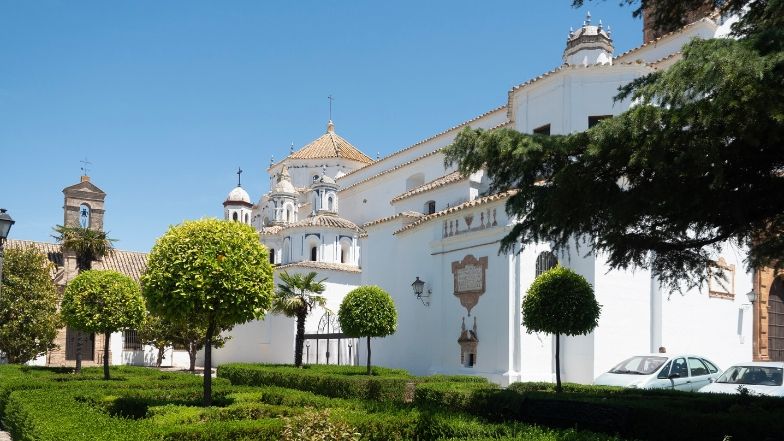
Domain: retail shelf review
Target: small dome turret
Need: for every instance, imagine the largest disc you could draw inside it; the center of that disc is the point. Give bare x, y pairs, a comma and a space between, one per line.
589, 44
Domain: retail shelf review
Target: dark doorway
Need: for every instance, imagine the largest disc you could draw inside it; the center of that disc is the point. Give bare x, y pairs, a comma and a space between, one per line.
776, 321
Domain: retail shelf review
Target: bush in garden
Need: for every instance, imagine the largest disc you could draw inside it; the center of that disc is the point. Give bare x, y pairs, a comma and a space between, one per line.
317, 426
368, 311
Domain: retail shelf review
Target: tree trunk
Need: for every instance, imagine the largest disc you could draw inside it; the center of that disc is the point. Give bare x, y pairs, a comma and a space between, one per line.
557, 363
368, 357
106, 355
192, 355
78, 352
299, 340
159, 361
208, 364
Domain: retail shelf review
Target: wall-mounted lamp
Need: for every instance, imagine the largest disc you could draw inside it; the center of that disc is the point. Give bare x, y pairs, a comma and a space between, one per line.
419, 291
752, 296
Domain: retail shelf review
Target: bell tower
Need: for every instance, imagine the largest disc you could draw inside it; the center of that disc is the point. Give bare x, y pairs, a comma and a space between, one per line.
83, 205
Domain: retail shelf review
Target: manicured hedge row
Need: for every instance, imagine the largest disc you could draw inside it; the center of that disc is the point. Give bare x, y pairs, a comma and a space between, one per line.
638, 414
378, 387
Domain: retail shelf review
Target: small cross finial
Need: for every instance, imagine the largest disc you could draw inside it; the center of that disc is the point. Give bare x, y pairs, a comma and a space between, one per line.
291, 149
587, 18
330, 98
239, 177
84, 168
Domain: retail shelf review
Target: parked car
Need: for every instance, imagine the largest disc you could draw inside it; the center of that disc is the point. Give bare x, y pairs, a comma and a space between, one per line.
758, 378
661, 371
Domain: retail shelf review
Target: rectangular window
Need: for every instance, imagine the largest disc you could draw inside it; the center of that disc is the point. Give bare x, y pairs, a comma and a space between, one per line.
593, 120
542, 130
431, 207
131, 341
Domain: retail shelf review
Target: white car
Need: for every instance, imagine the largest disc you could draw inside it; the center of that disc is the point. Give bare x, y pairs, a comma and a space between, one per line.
661, 371
758, 378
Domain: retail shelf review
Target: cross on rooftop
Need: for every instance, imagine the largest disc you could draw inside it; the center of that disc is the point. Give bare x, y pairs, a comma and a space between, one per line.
330, 98
239, 177
84, 168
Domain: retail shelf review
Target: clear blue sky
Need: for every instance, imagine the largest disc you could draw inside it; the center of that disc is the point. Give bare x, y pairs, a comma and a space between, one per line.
167, 98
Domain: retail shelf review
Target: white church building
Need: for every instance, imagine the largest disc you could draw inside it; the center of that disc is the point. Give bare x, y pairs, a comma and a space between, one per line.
405, 218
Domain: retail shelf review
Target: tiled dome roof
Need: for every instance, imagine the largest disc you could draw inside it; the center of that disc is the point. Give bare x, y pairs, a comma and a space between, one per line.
325, 220
330, 145
238, 195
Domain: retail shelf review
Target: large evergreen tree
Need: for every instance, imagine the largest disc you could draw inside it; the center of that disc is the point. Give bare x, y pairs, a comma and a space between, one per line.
696, 164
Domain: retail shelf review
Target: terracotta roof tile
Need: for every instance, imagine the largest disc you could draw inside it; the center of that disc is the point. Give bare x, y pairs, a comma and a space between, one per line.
458, 126
324, 220
469, 204
447, 179
331, 145
321, 265
130, 263
408, 214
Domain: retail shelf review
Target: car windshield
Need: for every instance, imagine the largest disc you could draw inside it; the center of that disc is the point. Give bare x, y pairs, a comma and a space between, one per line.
752, 375
641, 365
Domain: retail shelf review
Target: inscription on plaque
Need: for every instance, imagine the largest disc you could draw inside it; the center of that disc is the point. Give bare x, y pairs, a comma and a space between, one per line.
469, 280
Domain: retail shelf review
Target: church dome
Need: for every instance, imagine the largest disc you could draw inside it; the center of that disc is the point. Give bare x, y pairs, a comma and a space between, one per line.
589, 44
238, 195
284, 186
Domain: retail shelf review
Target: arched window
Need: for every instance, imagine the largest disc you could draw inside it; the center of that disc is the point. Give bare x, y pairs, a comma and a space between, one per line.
313, 253
288, 214
272, 256
234, 216
544, 262
345, 250
330, 204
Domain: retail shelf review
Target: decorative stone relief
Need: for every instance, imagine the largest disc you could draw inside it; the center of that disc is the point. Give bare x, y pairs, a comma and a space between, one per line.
721, 280
469, 280
468, 342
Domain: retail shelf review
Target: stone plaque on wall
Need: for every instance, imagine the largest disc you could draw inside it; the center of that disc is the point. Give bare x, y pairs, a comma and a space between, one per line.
469, 280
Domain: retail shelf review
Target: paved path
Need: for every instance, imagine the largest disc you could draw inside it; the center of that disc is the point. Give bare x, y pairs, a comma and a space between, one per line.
4, 436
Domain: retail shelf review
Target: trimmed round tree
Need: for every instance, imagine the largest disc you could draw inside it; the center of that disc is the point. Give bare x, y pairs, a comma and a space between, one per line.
103, 302
28, 305
560, 301
212, 273
368, 311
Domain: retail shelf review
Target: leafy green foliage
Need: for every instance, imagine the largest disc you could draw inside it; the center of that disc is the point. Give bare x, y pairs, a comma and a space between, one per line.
211, 273
102, 301
296, 296
317, 426
88, 245
694, 167
28, 306
560, 301
368, 311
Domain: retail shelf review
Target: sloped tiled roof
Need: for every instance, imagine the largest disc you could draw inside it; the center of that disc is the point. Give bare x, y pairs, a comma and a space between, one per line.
450, 178
469, 204
275, 229
130, 263
409, 214
321, 265
330, 145
664, 37
455, 127
325, 220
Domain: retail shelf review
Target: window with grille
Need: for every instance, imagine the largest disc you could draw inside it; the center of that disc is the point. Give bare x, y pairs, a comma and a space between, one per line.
131, 341
544, 262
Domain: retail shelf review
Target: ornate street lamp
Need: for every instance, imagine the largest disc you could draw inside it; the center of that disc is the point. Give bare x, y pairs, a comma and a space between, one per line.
5, 227
752, 296
419, 291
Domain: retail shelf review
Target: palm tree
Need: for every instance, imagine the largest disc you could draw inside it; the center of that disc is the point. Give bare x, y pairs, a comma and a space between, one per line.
88, 245
296, 296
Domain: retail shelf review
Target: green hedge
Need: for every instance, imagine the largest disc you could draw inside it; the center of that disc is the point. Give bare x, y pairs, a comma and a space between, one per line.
385, 387
638, 414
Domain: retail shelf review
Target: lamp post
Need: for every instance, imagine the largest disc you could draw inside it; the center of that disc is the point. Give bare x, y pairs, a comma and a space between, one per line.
5, 227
